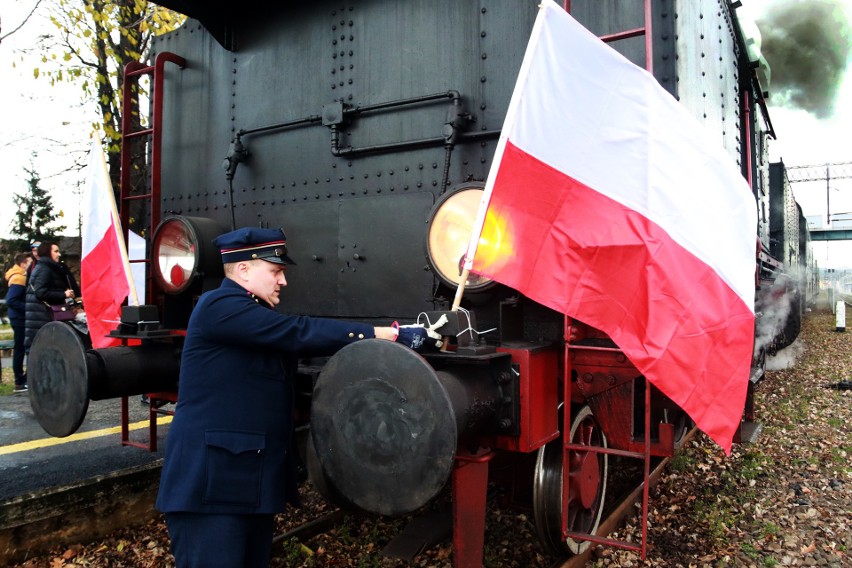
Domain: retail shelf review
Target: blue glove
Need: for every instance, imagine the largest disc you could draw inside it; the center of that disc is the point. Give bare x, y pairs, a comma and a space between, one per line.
415, 336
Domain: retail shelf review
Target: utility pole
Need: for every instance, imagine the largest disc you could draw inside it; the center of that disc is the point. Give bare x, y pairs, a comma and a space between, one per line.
836, 170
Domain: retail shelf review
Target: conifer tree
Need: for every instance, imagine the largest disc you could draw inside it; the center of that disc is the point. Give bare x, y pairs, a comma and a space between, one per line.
36, 219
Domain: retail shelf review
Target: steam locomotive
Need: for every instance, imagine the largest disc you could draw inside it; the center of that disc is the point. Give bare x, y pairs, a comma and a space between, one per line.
366, 130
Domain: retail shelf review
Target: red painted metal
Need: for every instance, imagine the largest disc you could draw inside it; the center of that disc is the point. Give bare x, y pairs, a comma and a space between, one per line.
470, 486
649, 48
746, 112
539, 399
132, 72
155, 400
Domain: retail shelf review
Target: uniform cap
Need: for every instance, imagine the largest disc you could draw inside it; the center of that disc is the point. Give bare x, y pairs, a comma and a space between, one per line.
251, 243
35, 244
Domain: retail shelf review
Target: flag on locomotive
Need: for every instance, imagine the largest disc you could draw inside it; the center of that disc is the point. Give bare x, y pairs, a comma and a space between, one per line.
105, 276
609, 203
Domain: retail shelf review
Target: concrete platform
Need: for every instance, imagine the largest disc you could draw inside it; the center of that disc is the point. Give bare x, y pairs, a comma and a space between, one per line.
74, 488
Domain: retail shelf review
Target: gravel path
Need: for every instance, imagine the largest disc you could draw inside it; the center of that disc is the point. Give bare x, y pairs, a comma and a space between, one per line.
785, 501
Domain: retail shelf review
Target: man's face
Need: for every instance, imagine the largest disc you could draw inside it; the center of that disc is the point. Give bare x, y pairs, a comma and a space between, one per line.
263, 279
54, 253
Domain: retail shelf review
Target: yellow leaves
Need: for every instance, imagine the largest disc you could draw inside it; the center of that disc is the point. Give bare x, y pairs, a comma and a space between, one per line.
305, 550
35, 73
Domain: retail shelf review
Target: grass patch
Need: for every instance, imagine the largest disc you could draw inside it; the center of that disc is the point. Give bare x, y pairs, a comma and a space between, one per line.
750, 551
770, 530
840, 456
682, 461
7, 376
753, 464
294, 552
7, 381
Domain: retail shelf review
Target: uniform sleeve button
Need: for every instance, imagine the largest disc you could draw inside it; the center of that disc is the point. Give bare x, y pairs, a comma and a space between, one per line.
351, 335
360, 336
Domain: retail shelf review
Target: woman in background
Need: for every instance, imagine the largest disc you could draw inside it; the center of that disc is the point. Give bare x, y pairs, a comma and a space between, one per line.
50, 284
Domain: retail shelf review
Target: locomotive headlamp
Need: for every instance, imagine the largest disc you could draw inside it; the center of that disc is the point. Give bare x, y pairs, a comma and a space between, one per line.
182, 250
449, 230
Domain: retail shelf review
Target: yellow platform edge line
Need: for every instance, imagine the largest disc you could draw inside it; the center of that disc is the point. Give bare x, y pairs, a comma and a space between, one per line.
46, 442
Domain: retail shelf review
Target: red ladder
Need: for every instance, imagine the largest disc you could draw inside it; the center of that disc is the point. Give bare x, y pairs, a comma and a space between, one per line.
133, 71
568, 446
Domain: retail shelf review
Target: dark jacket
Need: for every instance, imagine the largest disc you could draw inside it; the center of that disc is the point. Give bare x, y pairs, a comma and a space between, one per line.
227, 450
16, 297
47, 285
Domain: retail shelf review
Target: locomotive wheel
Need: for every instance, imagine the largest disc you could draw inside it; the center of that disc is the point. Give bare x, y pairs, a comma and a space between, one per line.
587, 486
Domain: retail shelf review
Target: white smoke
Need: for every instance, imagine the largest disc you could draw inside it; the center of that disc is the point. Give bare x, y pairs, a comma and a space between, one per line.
786, 358
772, 311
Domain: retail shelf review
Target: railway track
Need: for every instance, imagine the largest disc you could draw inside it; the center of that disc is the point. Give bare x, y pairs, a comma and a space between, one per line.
624, 508
86, 504
618, 509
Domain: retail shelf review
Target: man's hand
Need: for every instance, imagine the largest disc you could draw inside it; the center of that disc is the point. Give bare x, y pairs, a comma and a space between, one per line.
416, 336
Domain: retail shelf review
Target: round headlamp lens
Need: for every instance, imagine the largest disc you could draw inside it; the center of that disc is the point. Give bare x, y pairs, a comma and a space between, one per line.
450, 227
175, 256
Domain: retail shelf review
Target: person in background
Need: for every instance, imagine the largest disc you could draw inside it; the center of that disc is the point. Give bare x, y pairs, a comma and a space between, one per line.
50, 284
33, 256
229, 462
16, 302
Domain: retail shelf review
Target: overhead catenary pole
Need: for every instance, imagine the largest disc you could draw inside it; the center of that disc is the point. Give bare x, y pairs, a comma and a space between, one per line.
818, 172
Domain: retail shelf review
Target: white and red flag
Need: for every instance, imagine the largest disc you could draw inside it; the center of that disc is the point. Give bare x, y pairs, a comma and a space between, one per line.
613, 205
104, 268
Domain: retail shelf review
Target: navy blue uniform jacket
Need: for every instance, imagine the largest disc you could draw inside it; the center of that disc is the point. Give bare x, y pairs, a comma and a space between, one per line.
226, 451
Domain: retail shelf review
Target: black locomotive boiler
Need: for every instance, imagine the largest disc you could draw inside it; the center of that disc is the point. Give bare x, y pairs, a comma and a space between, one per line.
366, 129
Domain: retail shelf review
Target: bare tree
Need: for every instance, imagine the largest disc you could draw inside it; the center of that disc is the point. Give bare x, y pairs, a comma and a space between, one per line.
19, 26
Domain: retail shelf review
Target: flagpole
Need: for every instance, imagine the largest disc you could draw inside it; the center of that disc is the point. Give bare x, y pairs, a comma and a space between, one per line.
460, 290
116, 223
125, 259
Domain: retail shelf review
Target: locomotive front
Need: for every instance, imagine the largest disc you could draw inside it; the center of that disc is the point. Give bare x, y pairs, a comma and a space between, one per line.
371, 159
366, 130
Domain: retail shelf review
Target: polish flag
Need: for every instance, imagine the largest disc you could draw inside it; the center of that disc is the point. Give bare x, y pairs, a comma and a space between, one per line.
104, 268
610, 203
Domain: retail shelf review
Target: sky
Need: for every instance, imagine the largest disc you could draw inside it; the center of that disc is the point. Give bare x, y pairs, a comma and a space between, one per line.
810, 109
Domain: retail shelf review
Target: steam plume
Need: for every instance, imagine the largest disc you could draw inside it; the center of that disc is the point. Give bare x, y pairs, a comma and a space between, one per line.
807, 45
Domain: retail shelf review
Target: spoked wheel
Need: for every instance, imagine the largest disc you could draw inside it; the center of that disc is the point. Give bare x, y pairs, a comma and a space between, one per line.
586, 485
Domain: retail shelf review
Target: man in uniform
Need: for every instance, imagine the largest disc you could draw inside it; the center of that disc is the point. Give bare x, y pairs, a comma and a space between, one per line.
227, 470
